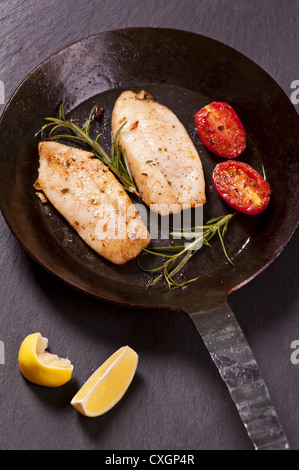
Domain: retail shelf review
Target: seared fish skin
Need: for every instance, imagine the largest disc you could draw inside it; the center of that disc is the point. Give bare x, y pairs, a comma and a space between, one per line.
162, 158
91, 199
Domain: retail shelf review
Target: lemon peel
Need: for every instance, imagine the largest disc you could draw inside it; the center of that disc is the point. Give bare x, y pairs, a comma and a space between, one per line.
41, 367
107, 385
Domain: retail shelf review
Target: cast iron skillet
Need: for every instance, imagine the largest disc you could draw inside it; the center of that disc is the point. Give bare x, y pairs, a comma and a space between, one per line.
185, 71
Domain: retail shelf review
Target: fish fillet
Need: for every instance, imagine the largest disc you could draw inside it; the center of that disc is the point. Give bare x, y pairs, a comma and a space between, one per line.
91, 199
162, 158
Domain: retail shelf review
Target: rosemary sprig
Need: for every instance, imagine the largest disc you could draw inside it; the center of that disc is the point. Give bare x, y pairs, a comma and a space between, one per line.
117, 161
183, 253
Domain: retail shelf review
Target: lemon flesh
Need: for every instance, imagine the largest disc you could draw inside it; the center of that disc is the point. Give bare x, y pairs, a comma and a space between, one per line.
107, 385
41, 367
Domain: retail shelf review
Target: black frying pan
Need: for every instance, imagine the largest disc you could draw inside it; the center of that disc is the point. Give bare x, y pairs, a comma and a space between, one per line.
184, 71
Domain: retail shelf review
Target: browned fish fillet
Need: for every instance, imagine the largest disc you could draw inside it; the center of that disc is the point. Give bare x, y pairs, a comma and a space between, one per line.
163, 160
92, 200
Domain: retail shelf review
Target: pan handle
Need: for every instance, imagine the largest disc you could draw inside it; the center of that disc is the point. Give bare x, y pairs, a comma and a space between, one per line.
232, 355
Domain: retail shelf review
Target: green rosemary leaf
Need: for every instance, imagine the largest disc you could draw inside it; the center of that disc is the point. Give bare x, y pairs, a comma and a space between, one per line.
177, 261
167, 248
118, 132
99, 135
210, 235
54, 128
86, 126
67, 137
224, 229
223, 247
154, 281
215, 219
127, 164
116, 162
152, 270
115, 148
61, 111
182, 284
181, 263
156, 253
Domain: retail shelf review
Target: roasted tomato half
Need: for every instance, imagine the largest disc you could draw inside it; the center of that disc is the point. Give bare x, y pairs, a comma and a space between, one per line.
221, 130
241, 187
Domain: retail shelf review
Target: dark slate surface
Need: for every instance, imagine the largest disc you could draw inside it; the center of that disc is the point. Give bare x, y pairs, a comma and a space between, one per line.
177, 400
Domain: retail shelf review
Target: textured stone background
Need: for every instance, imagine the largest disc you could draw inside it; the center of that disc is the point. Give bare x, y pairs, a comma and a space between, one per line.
177, 400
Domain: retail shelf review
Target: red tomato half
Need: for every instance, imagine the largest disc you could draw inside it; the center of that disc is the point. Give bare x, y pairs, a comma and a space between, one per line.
221, 130
241, 187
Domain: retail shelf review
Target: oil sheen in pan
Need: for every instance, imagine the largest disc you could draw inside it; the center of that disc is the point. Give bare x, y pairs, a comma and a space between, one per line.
184, 103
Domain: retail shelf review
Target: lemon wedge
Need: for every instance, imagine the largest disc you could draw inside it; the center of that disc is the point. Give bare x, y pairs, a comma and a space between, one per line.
41, 367
107, 385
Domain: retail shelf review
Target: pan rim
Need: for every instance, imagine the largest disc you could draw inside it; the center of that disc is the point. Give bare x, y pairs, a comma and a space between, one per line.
139, 28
